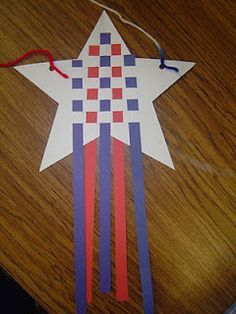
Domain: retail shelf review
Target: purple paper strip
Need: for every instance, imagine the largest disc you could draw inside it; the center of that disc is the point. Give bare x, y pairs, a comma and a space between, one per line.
105, 82
140, 216
79, 218
105, 61
105, 105
105, 38
133, 104
77, 83
104, 206
131, 82
129, 60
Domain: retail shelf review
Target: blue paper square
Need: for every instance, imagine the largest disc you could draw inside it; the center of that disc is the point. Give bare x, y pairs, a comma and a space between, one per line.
105, 38
105, 61
105, 105
77, 105
77, 63
77, 83
129, 60
132, 104
130, 82
105, 82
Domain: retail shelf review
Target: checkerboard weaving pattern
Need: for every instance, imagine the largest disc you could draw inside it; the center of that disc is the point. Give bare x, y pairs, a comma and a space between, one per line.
105, 86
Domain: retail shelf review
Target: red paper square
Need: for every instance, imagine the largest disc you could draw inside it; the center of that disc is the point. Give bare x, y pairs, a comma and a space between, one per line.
94, 50
116, 71
91, 117
118, 116
93, 72
92, 93
116, 49
116, 93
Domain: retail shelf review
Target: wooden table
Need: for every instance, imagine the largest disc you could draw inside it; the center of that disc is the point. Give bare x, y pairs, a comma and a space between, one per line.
190, 211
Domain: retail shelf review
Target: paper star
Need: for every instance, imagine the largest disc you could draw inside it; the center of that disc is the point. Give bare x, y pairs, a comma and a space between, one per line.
151, 81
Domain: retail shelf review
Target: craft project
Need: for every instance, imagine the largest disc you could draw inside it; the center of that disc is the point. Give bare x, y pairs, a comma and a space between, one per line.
109, 95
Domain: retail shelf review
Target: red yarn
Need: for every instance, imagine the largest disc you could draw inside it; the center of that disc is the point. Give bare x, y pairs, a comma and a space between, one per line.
34, 52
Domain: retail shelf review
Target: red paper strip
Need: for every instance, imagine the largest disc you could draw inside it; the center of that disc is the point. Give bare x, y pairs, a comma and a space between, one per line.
89, 190
120, 222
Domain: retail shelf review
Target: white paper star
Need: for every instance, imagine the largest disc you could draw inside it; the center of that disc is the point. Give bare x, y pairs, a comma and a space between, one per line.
152, 81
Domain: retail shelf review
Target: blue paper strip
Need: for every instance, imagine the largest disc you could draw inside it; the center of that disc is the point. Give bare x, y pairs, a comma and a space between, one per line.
104, 206
140, 216
79, 218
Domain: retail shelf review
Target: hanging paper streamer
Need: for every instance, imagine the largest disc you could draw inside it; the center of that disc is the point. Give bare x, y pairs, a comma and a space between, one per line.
109, 93
104, 206
120, 221
89, 190
140, 214
79, 218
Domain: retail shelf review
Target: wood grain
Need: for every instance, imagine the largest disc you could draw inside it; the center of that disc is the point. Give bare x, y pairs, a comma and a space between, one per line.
191, 211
